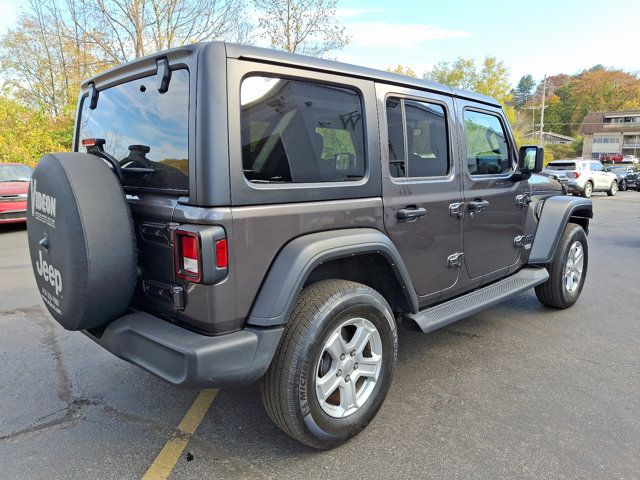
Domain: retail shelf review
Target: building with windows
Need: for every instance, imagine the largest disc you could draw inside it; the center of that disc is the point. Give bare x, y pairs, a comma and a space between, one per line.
611, 133
549, 138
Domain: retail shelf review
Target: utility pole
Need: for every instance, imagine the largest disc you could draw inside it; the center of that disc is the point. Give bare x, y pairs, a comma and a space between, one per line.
533, 109
543, 106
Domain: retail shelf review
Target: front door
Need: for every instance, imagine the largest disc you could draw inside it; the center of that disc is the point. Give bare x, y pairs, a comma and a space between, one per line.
600, 177
493, 216
420, 183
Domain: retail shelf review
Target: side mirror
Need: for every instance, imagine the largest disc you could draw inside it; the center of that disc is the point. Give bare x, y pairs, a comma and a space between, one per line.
531, 159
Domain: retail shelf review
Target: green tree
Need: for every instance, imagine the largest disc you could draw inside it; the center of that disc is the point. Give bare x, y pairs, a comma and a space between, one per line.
461, 73
402, 70
28, 133
592, 90
523, 91
58, 43
490, 78
493, 80
42, 62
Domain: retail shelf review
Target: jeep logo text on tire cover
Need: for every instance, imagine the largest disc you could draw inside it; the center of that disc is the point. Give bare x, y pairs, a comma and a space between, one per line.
49, 273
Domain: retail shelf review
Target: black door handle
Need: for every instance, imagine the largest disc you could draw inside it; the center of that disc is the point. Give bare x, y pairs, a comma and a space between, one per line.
411, 213
477, 205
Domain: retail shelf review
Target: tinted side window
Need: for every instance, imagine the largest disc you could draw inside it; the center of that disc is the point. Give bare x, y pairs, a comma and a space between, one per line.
425, 128
487, 147
395, 130
300, 132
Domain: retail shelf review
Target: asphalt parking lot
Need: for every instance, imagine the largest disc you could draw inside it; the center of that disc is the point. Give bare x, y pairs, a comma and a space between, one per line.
518, 391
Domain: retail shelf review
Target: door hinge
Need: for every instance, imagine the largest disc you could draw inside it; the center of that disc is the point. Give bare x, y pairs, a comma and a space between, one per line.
523, 241
523, 200
455, 260
171, 294
456, 209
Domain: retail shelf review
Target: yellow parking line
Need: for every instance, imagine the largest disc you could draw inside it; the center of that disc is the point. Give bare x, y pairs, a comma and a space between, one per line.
166, 460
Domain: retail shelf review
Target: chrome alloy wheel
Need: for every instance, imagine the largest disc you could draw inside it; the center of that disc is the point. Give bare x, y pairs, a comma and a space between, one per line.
348, 368
573, 267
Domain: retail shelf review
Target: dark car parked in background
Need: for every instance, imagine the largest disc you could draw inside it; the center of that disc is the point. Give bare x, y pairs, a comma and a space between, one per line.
14, 185
627, 175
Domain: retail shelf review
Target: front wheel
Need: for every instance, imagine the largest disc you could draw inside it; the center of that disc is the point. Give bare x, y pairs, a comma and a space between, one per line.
567, 271
334, 366
623, 185
613, 189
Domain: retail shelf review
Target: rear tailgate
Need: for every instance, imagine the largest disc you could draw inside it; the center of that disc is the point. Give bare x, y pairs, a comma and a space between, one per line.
144, 130
157, 290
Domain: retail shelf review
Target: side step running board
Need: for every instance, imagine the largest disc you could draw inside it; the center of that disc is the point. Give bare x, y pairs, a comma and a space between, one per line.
451, 311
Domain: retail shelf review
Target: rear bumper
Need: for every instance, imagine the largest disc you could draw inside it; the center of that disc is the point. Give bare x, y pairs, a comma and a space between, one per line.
187, 359
574, 187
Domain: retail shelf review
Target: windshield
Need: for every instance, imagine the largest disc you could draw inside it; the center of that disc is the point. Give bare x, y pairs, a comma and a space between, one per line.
620, 170
15, 173
144, 129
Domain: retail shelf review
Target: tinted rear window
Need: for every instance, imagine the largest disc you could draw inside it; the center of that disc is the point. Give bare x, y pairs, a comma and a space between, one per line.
144, 129
562, 166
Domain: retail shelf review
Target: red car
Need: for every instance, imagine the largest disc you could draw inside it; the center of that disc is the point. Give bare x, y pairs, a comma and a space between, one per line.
14, 187
611, 157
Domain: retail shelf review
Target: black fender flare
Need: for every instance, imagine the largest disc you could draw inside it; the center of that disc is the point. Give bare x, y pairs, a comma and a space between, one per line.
556, 213
301, 256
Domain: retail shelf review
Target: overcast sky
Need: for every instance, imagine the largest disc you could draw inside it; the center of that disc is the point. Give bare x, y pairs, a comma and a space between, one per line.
561, 36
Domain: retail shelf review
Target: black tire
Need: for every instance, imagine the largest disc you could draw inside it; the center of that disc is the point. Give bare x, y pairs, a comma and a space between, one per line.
623, 185
588, 190
553, 293
288, 388
613, 189
81, 240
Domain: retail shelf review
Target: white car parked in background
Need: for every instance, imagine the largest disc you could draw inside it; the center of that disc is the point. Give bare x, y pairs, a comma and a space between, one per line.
585, 176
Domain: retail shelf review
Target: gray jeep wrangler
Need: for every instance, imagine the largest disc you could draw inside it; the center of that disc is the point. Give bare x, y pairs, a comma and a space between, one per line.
232, 214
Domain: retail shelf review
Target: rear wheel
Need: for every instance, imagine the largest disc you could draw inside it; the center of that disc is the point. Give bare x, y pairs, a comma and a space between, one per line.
613, 189
333, 368
567, 271
588, 190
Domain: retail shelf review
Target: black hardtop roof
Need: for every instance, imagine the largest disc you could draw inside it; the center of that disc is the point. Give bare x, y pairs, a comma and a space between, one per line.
268, 55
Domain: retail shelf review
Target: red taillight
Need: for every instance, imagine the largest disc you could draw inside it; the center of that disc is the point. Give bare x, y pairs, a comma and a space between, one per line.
200, 254
222, 255
188, 256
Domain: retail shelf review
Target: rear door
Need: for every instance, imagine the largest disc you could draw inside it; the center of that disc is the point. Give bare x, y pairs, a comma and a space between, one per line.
493, 217
421, 183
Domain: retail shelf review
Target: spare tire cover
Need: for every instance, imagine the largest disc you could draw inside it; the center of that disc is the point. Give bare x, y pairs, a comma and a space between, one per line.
81, 240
